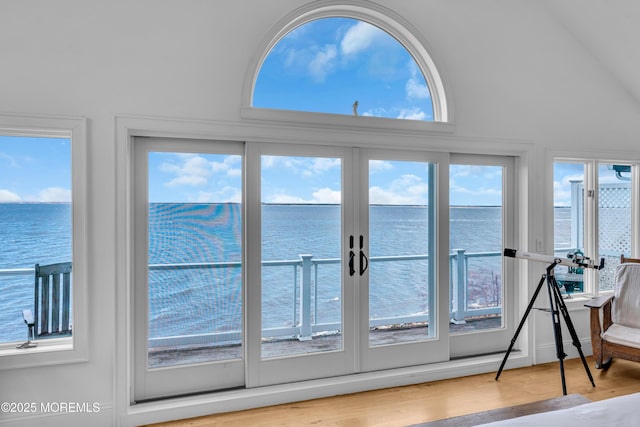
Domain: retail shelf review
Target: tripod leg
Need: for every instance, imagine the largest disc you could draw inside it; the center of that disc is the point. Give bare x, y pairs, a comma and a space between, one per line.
524, 318
557, 330
572, 330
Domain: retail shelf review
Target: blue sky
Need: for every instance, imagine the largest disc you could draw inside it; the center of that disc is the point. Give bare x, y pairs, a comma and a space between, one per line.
35, 169
327, 64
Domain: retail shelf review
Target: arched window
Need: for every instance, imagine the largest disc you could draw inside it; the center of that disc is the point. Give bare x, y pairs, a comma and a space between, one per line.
343, 66
348, 60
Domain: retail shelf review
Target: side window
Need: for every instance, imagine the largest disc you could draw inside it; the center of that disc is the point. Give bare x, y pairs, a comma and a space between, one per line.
36, 229
42, 230
592, 217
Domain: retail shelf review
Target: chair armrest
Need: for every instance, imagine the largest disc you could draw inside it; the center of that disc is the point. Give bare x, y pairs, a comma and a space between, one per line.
599, 302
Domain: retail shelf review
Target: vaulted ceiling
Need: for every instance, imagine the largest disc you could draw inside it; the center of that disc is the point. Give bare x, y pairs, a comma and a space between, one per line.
609, 31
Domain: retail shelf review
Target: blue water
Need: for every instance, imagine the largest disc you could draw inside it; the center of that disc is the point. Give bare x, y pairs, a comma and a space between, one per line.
204, 300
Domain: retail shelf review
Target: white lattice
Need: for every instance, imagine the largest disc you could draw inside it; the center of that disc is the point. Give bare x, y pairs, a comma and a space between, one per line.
614, 217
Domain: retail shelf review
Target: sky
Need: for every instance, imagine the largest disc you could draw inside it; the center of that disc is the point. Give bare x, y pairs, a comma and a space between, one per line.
328, 64
35, 169
204, 178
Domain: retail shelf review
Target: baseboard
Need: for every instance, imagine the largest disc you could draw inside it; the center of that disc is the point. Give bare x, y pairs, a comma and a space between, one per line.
547, 352
236, 400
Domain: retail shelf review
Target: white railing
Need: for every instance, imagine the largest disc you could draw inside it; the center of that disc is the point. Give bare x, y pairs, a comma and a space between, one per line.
304, 307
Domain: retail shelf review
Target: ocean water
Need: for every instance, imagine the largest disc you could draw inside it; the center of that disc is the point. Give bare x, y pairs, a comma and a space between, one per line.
191, 301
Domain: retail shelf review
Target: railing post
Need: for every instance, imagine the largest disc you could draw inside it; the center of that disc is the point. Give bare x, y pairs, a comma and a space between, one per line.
305, 299
460, 289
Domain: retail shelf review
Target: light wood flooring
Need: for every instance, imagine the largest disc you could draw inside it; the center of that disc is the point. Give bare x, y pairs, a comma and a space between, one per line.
403, 406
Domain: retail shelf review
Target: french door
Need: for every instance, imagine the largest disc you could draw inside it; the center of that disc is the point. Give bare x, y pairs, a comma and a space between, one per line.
259, 264
347, 264
188, 258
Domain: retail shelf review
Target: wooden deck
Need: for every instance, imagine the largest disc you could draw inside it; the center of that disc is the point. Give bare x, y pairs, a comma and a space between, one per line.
184, 355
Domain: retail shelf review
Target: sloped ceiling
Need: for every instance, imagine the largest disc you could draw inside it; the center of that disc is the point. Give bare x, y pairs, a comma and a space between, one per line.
609, 31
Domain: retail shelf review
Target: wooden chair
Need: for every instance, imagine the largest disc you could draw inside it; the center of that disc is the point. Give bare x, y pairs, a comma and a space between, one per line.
52, 302
619, 334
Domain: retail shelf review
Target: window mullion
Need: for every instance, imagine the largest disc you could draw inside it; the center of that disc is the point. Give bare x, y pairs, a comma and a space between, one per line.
591, 221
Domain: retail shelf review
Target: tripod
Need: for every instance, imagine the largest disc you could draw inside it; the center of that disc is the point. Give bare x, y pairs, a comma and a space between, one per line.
557, 307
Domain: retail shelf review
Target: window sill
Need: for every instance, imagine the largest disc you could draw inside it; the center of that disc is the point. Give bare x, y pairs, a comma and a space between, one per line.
577, 301
55, 351
346, 122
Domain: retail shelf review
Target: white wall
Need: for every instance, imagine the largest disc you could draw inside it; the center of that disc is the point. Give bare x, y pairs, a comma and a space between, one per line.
514, 73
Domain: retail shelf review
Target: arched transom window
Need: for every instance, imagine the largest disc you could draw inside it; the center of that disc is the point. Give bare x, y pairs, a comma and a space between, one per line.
343, 65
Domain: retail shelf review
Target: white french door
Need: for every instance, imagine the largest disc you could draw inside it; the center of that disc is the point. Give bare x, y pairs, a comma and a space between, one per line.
188, 267
260, 263
347, 267
404, 292
300, 293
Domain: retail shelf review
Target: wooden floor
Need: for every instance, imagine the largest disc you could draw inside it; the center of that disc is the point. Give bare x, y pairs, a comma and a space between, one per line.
402, 406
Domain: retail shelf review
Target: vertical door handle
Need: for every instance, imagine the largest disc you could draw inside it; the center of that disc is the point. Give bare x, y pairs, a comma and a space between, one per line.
352, 255
364, 261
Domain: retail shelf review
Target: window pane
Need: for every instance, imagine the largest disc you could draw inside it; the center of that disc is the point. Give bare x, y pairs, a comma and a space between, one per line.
301, 249
614, 218
326, 65
35, 228
401, 240
568, 220
476, 223
195, 258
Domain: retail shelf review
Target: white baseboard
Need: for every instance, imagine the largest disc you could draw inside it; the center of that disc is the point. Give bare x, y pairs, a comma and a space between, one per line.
235, 400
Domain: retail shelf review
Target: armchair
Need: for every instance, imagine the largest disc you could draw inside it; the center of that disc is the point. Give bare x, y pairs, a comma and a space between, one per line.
619, 333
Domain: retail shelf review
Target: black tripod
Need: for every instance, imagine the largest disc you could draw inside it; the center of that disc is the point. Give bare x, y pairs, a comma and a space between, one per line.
557, 307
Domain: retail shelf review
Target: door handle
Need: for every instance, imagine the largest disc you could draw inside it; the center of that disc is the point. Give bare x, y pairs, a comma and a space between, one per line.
364, 261
352, 270
352, 255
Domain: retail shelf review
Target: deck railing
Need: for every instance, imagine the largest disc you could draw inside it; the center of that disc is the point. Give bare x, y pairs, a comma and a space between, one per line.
304, 307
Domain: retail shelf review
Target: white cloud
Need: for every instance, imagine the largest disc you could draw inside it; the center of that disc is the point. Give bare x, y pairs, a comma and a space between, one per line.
409, 189
416, 90
225, 195
477, 192
195, 171
323, 63
323, 163
323, 195
55, 194
269, 161
7, 196
412, 114
286, 198
561, 194
379, 165
562, 189
359, 37
327, 195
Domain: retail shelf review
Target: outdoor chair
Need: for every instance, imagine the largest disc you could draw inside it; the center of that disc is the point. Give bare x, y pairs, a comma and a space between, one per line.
52, 302
619, 333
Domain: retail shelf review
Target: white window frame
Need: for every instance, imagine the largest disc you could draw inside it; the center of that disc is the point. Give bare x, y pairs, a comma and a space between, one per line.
75, 348
379, 16
591, 226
